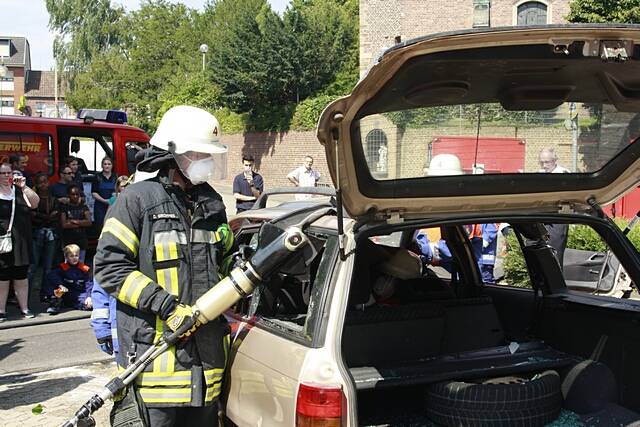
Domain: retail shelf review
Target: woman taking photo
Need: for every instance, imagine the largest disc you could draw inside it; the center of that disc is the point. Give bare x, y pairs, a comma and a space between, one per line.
102, 190
16, 202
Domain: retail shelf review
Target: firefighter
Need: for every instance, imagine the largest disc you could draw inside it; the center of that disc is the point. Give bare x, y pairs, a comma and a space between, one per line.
161, 248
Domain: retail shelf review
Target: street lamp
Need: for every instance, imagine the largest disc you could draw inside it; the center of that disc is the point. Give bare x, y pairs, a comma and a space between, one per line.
4, 72
203, 50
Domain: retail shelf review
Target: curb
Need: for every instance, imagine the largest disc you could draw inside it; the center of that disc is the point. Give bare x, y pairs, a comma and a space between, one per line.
44, 318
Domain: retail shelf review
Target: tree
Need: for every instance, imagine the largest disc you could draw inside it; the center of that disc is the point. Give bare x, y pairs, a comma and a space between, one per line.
326, 37
193, 89
252, 61
599, 11
159, 43
84, 29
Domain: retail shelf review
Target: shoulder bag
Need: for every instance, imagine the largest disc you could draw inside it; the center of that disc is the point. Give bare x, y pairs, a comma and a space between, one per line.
6, 245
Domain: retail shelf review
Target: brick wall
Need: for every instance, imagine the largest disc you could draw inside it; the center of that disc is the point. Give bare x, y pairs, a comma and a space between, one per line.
276, 155
382, 20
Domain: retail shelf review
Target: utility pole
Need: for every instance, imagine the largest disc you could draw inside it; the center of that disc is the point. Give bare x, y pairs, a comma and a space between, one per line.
55, 87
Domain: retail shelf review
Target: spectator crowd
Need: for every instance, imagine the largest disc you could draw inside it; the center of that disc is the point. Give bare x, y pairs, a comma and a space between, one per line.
49, 226
45, 231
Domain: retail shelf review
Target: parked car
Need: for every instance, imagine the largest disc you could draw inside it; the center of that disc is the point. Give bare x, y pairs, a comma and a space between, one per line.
369, 330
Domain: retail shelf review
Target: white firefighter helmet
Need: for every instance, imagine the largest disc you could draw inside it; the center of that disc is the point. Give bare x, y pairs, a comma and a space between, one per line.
184, 128
192, 135
444, 164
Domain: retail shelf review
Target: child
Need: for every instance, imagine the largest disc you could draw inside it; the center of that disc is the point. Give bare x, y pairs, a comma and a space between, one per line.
75, 218
121, 183
69, 284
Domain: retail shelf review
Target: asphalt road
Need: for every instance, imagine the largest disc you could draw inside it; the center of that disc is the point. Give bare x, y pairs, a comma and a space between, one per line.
48, 346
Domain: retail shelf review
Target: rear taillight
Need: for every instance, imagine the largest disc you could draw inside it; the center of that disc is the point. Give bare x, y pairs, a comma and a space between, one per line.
319, 406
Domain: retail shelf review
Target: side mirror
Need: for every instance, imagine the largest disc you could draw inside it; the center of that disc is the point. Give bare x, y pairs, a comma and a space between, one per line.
75, 145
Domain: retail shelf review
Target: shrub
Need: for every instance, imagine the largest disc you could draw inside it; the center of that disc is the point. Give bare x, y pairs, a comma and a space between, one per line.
231, 122
307, 113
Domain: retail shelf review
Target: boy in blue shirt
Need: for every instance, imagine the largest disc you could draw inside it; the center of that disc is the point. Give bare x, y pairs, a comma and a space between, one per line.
69, 284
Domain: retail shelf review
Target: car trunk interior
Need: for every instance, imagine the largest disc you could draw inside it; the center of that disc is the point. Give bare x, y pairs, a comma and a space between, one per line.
450, 331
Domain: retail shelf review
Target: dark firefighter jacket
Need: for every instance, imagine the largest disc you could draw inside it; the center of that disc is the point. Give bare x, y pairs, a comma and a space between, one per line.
158, 243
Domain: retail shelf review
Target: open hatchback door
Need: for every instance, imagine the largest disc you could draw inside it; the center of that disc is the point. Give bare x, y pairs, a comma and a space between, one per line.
515, 120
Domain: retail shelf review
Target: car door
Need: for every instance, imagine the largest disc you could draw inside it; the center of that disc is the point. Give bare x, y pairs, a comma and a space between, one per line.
272, 333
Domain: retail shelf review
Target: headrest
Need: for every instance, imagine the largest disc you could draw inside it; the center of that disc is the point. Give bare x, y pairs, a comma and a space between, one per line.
403, 265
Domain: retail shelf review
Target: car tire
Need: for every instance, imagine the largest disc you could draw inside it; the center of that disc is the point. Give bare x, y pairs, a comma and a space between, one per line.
497, 402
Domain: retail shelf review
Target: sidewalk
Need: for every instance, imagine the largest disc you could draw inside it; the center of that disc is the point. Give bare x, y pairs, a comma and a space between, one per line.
60, 393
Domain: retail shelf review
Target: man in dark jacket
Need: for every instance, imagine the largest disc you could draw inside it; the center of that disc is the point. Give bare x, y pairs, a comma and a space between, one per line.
161, 248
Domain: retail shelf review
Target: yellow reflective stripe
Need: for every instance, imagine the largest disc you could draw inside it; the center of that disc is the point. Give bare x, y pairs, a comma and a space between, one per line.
122, 233
162, 378
160, 252
133, 286
168, 395
213, 375
167, 279
173, 251
212, 392
227, 344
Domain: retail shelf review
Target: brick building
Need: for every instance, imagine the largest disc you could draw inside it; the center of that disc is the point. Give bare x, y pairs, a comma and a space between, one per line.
37, 87
382, 22
385, 22
15, 55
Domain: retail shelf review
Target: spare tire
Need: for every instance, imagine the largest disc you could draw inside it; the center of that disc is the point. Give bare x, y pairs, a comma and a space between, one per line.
505, 401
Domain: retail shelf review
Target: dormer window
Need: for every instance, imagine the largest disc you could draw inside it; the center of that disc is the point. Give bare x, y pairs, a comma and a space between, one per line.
5, 48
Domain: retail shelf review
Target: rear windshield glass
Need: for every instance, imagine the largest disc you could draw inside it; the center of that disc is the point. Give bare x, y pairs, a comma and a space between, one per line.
486, 138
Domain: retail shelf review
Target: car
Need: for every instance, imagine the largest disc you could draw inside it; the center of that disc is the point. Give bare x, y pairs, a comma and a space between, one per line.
394, 314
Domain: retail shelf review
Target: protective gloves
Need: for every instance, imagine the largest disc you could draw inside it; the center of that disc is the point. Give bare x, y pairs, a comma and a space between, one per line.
181, 315
106, 344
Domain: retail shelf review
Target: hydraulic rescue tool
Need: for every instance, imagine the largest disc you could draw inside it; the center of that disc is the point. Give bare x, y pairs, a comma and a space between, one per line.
276, 248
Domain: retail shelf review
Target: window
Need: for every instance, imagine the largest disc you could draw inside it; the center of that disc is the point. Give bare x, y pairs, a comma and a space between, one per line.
5, 48
7, 102
291, 302
91, 151
37, 147
481, 13
377, 152
532, 13
587, 263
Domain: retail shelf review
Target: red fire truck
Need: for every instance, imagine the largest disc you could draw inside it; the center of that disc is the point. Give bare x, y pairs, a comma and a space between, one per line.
48, 142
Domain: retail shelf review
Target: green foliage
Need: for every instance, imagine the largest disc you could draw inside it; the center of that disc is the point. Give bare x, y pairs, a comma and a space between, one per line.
189, 89
276, 118
599, 11
232, 122
84, 29
252, 61
326, 40
259, 65
488, 113
585, 238
307, 113
515, 268
37, 410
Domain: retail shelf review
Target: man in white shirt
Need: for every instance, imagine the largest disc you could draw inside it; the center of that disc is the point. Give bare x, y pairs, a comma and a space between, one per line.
549, 161
304, 176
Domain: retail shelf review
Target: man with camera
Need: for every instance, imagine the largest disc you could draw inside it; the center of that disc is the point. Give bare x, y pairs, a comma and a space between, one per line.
247, 186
